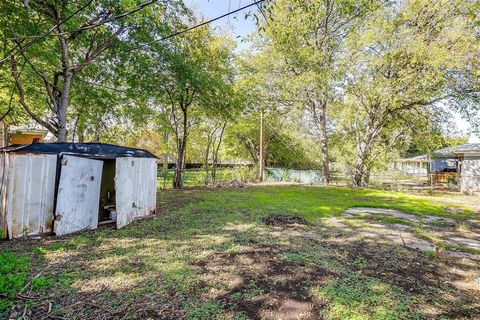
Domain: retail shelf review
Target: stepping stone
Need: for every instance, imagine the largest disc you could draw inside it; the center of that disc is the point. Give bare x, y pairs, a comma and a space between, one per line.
439, 220
401, 227
357, 211
465, 242
463, 255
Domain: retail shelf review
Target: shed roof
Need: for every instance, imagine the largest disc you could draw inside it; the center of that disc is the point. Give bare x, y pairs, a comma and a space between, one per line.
95, 150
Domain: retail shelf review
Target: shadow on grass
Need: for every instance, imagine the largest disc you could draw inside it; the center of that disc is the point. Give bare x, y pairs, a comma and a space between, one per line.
208, 255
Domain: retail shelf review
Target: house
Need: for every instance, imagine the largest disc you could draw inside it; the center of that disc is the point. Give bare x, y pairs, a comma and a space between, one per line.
458, 164
10, 135
417, 166
26, 135
70, 187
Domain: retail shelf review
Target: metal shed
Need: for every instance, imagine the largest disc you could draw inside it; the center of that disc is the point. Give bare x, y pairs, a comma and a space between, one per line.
69, 187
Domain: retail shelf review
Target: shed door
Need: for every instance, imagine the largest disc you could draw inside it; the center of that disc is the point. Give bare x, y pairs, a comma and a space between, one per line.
29, 188
135, 188
78, 195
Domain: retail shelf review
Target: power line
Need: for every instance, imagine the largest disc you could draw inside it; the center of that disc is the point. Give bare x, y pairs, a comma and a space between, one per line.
10, 54
87, 27
197, 26
22, 49
193, 27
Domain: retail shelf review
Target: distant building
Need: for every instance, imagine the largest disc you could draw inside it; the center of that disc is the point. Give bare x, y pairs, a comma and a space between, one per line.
459, 165
413, 166
10, 135
464, 160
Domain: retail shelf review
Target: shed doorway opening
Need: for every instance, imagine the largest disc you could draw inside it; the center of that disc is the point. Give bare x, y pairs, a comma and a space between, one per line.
107, 206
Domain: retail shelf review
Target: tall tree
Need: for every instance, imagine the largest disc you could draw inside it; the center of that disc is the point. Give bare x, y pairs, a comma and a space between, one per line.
308, 37
55, 41
405, 59
192, 78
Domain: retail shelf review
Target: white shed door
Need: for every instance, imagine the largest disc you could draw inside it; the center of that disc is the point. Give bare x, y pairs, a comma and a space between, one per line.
78, 195
135, 188
30, 193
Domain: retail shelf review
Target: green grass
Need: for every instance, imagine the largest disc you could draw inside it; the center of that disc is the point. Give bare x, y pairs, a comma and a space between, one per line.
318, 202
355, 297
13, 277
153, 262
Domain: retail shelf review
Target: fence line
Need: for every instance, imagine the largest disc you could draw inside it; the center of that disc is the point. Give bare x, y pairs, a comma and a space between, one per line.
387, 179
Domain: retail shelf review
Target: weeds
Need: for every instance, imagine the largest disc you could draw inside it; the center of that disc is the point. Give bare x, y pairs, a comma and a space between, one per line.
13, 277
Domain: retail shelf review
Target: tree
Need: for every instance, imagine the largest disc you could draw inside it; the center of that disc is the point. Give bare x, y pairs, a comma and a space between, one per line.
308, 37
192, 79
405, 59
286, 143
53, 42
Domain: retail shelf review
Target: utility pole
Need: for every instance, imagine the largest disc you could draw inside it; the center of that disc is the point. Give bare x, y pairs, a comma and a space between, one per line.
261, 156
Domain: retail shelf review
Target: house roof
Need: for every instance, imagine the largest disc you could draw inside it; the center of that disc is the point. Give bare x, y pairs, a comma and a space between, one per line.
28, 130
460, 149
420, 158
93, 150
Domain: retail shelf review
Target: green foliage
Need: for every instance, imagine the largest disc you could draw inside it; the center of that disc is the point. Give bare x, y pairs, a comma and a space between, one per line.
41, 282
13, 276
96, 45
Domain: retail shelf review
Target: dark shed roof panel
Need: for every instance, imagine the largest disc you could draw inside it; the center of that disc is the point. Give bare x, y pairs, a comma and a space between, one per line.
95, 150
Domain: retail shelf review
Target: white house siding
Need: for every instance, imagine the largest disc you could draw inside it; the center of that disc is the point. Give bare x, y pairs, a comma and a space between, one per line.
413, 168
470, 174
29, 194
135, 188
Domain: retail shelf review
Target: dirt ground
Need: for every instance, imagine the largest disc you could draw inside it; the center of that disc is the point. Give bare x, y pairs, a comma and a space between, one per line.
232, 255
447, 281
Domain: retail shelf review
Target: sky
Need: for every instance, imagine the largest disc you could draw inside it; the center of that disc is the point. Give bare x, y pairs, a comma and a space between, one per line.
239, 28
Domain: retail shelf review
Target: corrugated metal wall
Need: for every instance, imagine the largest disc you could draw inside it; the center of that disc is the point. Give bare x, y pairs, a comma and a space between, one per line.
135, 188
3, 198
30, 194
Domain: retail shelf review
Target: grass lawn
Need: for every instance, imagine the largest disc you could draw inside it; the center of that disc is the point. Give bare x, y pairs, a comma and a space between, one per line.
209, 255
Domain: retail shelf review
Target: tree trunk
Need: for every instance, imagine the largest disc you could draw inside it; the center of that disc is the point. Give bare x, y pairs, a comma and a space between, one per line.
181, 146
165, 158
62, 108
261, 158
177, 178
360, 173
319, 112
215, 154
322, 125
207, 153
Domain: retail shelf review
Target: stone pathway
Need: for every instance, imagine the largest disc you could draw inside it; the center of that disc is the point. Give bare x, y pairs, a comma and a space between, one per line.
426, 219
442, 229
425, 233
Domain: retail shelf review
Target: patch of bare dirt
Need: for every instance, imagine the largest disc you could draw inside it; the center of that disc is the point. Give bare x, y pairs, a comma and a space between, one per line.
232, 184
262, 286
284, 220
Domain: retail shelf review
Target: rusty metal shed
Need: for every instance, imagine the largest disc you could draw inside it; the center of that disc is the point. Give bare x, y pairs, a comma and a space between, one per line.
64, 188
